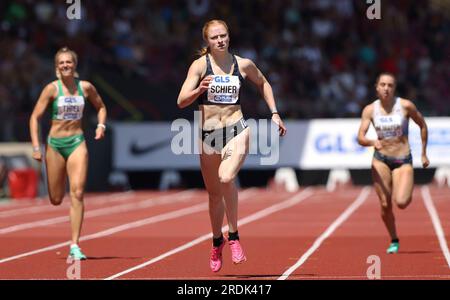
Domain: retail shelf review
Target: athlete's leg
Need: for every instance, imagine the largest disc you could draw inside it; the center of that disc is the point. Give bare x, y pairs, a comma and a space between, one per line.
56, 175
77, 165
209, 164
402, 185
382, 181
233, 156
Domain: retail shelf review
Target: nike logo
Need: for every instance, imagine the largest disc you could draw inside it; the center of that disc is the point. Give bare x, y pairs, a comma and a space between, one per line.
135, 149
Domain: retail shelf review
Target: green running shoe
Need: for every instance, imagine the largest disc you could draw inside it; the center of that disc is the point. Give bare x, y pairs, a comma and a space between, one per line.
393, 248
76, 254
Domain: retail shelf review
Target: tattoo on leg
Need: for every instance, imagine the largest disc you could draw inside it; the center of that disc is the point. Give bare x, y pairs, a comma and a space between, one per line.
227, 154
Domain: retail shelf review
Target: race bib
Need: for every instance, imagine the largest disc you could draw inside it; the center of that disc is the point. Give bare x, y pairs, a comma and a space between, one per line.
70, 107
389, 126
224, 89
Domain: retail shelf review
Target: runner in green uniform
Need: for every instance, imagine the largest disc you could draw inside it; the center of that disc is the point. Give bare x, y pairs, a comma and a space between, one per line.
66, 152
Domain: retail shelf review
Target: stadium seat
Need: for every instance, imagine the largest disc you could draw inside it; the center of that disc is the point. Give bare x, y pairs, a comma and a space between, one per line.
287, 178
337, 176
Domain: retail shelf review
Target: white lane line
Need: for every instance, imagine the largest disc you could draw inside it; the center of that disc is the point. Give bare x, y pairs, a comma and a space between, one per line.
117, 197
127, 226
436, 222
181, 196
256, 216
341, 219
13, 203
158, 218
25, 203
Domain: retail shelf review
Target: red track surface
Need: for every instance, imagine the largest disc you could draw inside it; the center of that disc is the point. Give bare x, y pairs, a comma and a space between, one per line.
329, 231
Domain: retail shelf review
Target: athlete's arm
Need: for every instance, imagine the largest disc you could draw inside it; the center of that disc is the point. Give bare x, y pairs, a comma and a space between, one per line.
364, 127
95, 99
46, 96
190, 91
418, 118
256, 76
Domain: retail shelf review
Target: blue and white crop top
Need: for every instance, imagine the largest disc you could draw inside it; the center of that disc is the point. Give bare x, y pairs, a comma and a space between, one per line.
392, 125
224, 89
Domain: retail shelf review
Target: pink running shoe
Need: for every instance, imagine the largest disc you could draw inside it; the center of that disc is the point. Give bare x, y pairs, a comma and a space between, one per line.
237, 253
215, 262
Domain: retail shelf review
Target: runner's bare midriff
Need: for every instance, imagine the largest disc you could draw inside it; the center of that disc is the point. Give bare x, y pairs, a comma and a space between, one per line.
219, 116
61, 129
395, 147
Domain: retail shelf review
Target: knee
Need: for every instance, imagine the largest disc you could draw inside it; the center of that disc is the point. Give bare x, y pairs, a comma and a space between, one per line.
56, 200
77, 194
226, 178
402, 205
403, 202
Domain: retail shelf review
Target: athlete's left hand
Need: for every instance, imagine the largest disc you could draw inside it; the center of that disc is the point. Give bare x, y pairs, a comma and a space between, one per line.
281, 128
99, 133
425, 161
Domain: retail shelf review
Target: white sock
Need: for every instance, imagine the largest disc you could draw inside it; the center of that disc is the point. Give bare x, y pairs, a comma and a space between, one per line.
73, 246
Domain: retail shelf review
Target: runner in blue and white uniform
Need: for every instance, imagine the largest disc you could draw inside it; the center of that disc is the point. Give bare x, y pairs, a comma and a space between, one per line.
392, 169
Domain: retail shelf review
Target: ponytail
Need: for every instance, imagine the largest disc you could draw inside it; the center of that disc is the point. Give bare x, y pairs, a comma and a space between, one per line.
203, 51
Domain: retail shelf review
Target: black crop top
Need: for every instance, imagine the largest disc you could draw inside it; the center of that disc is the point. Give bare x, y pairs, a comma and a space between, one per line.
224, 89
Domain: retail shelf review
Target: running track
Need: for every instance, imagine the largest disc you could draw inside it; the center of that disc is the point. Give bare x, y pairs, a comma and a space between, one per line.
311, 234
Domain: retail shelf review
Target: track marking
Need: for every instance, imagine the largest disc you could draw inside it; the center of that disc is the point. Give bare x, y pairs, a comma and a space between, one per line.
338, 222
436, 222
165, 199
253, 217
48, 207
151, 220
12, 203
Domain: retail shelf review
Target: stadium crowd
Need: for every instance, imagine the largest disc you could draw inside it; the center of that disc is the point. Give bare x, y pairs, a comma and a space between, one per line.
321, 56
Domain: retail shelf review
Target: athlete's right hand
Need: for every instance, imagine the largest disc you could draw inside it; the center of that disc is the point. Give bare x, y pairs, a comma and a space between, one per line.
204, 84
377, 144
425, 161
37, 155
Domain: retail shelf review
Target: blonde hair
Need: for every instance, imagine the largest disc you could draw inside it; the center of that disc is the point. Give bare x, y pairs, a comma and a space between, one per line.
74, 57
205, 28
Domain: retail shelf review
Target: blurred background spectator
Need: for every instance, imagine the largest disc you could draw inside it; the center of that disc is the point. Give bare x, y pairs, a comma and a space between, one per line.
321, 56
